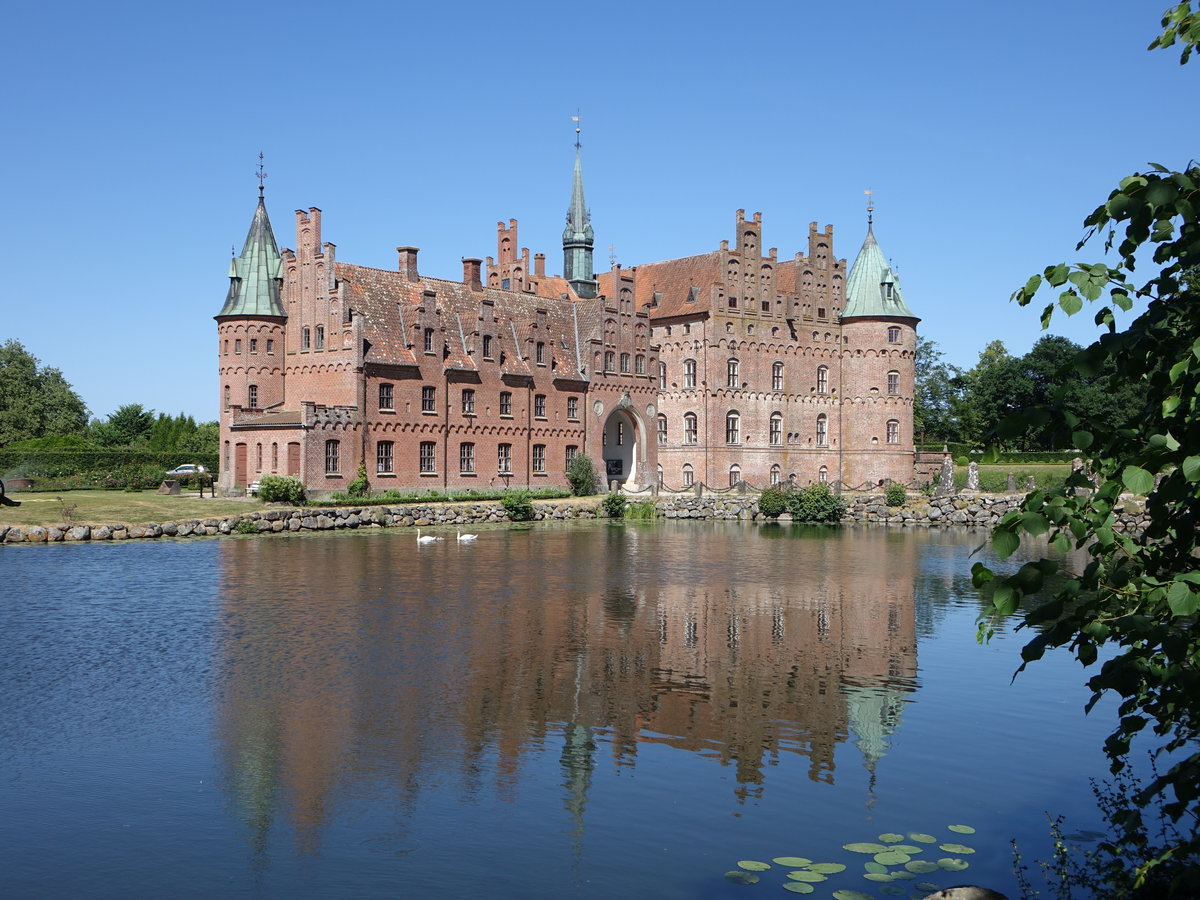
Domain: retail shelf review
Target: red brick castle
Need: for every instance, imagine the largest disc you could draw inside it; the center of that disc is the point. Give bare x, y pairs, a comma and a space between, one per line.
727, 366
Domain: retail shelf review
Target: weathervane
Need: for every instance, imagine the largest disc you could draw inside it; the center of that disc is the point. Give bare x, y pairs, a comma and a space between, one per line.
870, 207
261, 174
575, 118
612, 256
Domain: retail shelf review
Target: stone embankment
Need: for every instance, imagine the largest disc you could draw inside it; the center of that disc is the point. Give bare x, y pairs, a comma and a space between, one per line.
978, 510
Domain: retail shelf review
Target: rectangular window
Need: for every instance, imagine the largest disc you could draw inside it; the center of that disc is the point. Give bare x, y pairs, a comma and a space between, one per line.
689, 373
639, 365
610, 360
732, 429
428, 340
539, 406
487, 346
331, 457
258, 457
893, 383
505, 403
625, 363
540, 353
466, 458
385, 396
893, 431
777, 377
428, 466
573, 408
252, 396
383, 457
304, 338
504, 459
539, 459
274, 457
822, 431
428, 399
687, 476
689, 429
776, 434
662, 429
253, 345
237, 346
662, 376
270, 345
320, 336
468, 402
572, 452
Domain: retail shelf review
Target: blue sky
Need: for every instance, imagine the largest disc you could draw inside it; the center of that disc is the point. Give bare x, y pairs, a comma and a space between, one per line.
986, 131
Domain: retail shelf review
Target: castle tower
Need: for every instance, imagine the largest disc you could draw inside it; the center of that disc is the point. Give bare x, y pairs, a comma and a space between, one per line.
578, 237
878, 364
250, 332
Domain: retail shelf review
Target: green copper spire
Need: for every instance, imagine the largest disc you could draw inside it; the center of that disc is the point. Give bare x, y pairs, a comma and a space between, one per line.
578, 237
872, 288
254, 276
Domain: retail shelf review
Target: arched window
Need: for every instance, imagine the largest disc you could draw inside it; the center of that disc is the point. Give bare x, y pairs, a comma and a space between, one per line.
733, 424
893, 383
687, 475
823, 475
777, 376
252, 396
776, 432
731, 374
662, 429
639, 365
735, 475
822, 431
689, 373
893, 431
662, 376
894, 334
822, 379
625, 363
775, 474
689, 428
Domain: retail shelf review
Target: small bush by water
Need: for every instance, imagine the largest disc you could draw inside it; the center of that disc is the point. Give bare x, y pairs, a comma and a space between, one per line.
614, 505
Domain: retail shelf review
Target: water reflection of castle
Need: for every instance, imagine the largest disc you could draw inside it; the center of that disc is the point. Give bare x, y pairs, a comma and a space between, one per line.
375, 680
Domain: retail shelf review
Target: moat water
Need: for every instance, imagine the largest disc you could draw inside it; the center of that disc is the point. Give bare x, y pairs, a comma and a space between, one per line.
575, 710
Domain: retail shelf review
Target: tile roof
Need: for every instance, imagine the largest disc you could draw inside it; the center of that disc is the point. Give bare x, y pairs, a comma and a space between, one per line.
674, 279
867, 285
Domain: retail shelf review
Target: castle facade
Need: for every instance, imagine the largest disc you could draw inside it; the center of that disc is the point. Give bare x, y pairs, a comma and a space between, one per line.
729, 366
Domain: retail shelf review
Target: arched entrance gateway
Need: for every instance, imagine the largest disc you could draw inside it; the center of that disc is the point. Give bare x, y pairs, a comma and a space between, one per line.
624, 447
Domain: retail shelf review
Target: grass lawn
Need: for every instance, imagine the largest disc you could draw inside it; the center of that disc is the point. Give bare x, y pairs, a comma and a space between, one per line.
116, 507
995, 478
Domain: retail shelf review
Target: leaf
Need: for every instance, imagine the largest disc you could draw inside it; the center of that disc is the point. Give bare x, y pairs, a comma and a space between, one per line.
953, 865
891, 838
960, 849
864, 847
845, 894
921, 866
1137, 480
791, 862
753, 865
922, 838
1005, 599
891, 858
1005, 542
960, 829
1034, 523
1069, 302
827, 868
1182, 599
806, 875
1191, 468
878, 876
798, 887
742, 877
875, 868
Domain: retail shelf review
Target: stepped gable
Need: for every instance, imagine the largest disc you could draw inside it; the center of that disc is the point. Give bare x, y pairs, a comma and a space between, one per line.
674, 279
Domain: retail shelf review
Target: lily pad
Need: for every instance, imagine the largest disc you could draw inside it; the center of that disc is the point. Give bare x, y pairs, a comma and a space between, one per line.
875, 868
952, 865
753, 865
901, 875
892, 890
926, 886
872, 876
960, 849
798, 887
907, 848
847, 894
891, 838
921, 866
892, 858
806, 875
921, 837
827, 868
737, 876
961, 829
791, 862
863, 847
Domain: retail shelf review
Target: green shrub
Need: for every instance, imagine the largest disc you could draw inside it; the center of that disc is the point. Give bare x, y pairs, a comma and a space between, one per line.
961, 461
642, 509
773, 501
280, 489
245, 526
895, 495
518, 505
582, 476
614, 504
816, 503
359, 487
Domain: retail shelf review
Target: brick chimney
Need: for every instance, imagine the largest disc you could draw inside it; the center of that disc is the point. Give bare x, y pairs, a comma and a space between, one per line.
408, 262
539, 265
471, 277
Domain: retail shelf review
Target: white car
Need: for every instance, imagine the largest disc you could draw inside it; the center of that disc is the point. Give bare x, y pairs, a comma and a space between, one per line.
186, 471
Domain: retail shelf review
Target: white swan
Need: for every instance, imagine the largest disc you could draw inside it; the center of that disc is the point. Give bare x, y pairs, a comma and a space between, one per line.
463, 538
428, 539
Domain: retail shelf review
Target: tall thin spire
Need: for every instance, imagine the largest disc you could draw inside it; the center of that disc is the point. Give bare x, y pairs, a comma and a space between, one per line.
255, 275
578, 237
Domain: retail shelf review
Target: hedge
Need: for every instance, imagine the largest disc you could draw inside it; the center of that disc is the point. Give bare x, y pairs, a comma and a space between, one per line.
64, 470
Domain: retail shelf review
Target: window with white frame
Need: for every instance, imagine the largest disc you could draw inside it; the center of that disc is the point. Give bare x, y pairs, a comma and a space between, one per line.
893, 431
662, 429
320, 336
504, 459
777, 376
625, 363
252, 396
689, 428
822, 379
487, 346
731, 374
468, 402
428, 338
539, 353
689, 373
823, 475
572, 408
735, 475
539, 406
572, 452
662, 376
428, 398
466, 458
893, 335
893, 383
385, 396
733, 426
304, 338
506, 403
428, 458
610, 360
383, 457
775, 474
776, 432
822, 430
539, 459
687, 476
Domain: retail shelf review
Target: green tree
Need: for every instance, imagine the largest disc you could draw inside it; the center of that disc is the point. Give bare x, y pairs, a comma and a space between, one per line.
35, 400
130, 426
938, 398
992, 390
1138, 595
